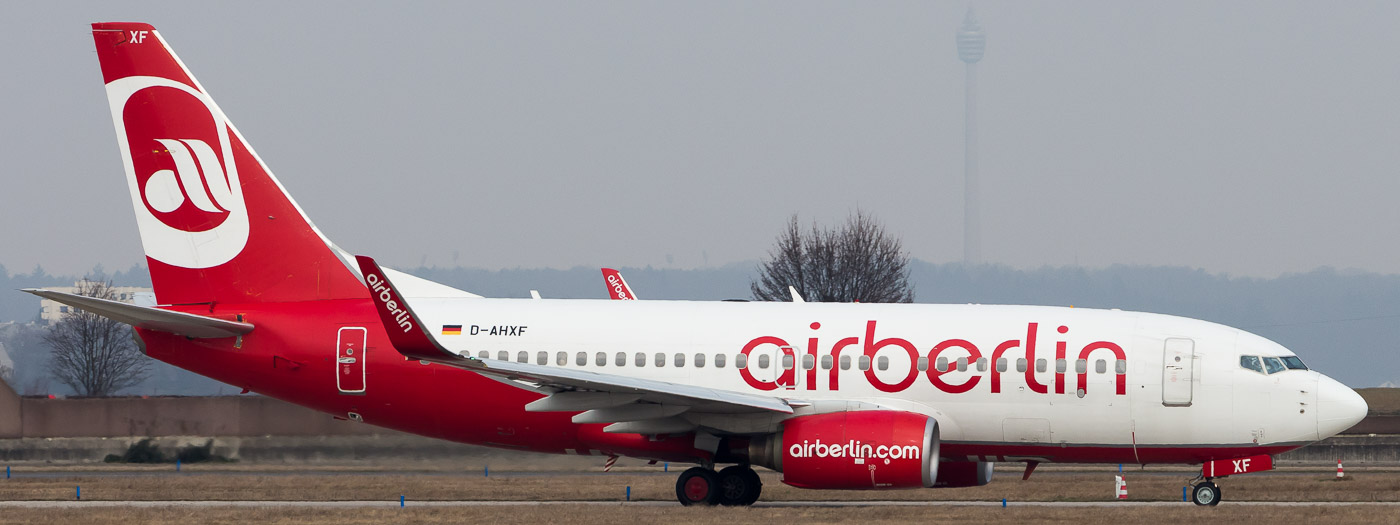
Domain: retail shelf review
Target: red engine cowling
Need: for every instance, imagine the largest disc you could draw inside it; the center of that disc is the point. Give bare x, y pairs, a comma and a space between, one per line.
953, 474
871, 449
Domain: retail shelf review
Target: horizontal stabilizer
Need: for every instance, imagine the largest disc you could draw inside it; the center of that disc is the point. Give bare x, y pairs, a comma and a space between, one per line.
145, 317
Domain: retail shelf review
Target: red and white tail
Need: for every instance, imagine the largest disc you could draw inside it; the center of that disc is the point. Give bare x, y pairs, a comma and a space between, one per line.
215, 224
617, 286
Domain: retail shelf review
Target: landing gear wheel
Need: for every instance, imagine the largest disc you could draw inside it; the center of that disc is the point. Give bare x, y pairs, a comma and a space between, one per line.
739, 486
698, 486
1205, 493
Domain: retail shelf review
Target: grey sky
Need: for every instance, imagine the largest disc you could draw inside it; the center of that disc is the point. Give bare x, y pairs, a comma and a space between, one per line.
1253, 138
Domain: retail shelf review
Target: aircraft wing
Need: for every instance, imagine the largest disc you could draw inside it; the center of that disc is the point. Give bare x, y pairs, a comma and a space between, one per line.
631, 404
189, 325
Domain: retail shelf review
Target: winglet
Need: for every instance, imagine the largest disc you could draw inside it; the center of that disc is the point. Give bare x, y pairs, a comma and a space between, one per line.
406, 332
617, 286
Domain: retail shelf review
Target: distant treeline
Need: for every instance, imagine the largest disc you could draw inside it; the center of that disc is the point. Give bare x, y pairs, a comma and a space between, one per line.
1346, 324
22, 307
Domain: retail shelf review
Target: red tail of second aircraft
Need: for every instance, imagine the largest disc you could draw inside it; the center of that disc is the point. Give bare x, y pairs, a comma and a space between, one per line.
215, 224
617, 286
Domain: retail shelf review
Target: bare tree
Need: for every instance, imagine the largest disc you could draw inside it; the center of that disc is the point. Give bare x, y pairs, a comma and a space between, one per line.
7, 365
94, 355
859, 262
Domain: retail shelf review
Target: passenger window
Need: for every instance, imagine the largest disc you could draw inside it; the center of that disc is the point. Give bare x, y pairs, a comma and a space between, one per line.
719, 360
787, 361
660, 360
981, 364
1040, 365
763, 361
621, 359
1001, 364
581, 359
1081, 366
1273, 365
680, 360
1060, 366
809, 362
741, 361
962, 364
864, 362
640, 359
1120, 366
883, 362
845, 362
542, 358
827, 362
484, 354
522, 357
1021, 365
601, 358
1100, 366
1251, 362
941, 365
699, 360
561, 358
923, 363
503, 356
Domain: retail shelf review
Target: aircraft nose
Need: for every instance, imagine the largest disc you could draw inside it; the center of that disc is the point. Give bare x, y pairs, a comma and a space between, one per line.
1338, 407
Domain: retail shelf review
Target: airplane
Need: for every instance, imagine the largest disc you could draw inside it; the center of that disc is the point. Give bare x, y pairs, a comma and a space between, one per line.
832, 396
618, 290
617, 286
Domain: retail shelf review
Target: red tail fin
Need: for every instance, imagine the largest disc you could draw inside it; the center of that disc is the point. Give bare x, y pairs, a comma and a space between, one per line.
215, 224
617, 286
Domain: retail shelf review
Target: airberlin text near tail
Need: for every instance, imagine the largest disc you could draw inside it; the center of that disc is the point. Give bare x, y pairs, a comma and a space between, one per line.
254, 295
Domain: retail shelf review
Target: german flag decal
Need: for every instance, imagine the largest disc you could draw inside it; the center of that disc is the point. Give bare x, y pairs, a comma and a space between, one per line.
451, 329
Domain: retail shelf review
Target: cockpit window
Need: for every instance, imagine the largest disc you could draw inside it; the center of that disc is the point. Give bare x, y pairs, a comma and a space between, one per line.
1293, 363
1251, 362
1273, 365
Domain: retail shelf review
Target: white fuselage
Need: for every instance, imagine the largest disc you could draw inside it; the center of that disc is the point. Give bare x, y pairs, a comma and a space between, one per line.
1181, 379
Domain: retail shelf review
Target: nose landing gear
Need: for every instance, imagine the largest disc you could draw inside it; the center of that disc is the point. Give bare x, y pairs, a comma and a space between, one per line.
1205, 493
737, 485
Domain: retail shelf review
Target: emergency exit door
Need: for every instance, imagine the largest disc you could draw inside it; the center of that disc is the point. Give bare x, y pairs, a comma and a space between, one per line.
1178, 364
350, 354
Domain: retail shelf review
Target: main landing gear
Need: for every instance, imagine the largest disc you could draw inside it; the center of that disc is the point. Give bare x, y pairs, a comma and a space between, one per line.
736, 485
1205, 493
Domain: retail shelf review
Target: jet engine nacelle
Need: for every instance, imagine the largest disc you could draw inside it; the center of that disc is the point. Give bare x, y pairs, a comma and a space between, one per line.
871, 449
954, 474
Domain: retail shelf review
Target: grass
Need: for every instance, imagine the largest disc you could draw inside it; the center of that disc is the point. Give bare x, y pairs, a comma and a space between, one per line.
225, 483
611, 515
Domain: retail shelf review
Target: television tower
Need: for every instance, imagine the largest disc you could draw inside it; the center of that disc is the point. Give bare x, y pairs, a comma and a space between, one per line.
972, 43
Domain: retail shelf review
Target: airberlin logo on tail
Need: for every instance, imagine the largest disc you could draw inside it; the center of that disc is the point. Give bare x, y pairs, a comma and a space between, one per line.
619, 289
180, 168
385, 294
204, 186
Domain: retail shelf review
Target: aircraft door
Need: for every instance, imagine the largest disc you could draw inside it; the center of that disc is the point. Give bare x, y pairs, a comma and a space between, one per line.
783, 369
350, 354
1178, 363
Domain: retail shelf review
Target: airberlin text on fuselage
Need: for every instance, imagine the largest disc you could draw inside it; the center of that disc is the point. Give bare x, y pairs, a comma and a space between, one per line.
957, 348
